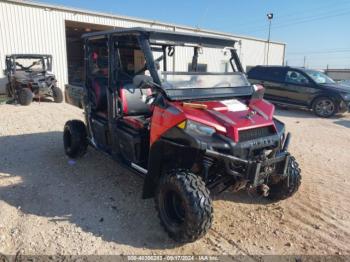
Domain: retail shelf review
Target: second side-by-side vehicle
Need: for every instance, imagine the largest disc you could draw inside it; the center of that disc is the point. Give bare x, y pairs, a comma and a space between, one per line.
29, 76
190, 134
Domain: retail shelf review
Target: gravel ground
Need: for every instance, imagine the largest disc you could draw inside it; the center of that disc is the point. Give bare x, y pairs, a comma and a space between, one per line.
50, 205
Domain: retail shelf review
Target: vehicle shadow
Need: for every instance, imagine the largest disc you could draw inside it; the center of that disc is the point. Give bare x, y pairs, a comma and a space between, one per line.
300, 113
293, 112
344, 123
94, 192
243, 197
43, 99
11, 101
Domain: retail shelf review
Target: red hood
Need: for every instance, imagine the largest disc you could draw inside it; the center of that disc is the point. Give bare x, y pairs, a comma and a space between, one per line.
230, 116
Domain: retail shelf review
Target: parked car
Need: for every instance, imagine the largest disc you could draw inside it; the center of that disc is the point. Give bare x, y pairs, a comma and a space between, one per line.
302, 87
345, 82
190, 134
29, 76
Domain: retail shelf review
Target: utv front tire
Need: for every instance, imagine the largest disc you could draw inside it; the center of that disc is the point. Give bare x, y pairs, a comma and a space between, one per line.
75, 139
57, 94
288, 186
25, 96
184, 206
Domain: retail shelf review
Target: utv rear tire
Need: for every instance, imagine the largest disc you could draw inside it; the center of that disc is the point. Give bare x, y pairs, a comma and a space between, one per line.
75, 139
57, 94
184, 206
288, 186
25, 96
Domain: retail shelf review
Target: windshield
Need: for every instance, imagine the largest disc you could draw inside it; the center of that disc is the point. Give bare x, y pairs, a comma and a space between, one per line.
319, 77
207, 70
172, 80
34, 64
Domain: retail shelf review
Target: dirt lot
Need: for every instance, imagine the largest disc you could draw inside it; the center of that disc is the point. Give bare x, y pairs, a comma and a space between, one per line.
50, 205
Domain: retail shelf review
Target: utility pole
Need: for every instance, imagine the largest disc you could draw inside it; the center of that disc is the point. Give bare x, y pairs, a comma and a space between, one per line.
269, 17
304, 61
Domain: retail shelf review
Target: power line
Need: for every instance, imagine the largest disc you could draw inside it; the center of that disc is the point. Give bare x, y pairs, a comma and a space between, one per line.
253, 22
300, 19
203, 16
314, 18
319, 52
317, 63
326, 50
320, 58
304, 20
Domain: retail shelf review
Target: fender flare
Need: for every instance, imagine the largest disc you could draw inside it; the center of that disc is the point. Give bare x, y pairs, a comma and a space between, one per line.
166, 155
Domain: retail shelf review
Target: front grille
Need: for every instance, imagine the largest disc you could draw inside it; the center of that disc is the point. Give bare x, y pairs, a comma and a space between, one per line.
255, 133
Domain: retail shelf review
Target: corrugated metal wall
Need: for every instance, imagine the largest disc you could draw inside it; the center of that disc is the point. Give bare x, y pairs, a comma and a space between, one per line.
36, 29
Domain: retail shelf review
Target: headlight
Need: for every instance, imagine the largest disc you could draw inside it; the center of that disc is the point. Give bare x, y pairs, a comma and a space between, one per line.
346, 96
197, 128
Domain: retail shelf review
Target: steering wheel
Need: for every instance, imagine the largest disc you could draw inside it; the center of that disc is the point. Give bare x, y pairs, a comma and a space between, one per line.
150, 99
21, 66
33, 64
223, 83
27, 68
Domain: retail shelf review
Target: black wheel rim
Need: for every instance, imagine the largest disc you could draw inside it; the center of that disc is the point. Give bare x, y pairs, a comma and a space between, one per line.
325, 107
174, 211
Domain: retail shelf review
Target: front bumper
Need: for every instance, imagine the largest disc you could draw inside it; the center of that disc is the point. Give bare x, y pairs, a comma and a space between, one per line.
255, 172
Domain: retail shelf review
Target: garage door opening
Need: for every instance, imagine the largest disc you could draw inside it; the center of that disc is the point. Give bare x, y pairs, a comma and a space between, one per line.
75, 48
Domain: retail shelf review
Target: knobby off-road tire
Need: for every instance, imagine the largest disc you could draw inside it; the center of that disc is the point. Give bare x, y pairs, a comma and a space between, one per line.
289, 185
25, 96
75, 139
8, 90
184, 205
57, 94
325, 107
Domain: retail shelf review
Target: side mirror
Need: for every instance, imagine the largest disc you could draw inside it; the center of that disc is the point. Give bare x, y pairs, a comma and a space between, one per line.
140, 80
258, 92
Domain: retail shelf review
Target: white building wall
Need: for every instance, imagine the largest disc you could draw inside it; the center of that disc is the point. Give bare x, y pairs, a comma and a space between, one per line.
252, 51
34, 28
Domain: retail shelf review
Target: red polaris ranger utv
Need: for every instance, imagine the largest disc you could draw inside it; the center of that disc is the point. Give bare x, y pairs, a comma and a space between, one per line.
191, 129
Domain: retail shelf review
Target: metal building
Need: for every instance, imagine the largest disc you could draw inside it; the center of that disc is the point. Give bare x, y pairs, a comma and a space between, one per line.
338, 74
31, 27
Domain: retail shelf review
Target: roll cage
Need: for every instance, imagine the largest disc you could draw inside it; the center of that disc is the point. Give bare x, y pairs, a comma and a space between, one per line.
150, 40
10, 61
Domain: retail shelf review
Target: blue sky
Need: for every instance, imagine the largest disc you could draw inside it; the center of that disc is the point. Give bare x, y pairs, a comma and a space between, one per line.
317, 29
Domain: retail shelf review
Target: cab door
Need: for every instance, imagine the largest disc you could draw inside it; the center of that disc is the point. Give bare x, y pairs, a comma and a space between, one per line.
298, 87
273, 81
